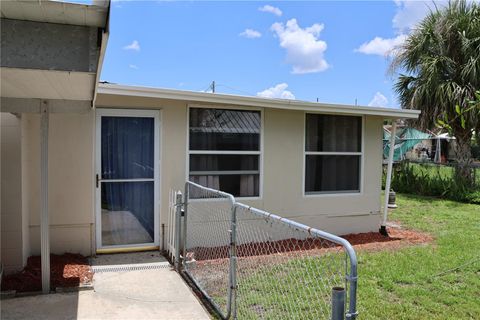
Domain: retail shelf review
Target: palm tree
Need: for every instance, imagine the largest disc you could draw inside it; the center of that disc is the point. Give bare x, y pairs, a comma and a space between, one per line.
440, 72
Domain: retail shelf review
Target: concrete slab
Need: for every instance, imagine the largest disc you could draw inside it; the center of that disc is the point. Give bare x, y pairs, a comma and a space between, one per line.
143, 294
127, 258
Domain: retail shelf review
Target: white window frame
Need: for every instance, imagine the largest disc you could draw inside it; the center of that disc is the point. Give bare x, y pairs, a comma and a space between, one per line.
361, 153
220, 152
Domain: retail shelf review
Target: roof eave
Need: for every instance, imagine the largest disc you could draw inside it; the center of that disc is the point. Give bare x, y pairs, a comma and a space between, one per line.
218, 98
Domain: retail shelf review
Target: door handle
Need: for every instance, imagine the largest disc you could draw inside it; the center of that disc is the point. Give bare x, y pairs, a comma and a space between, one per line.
97, 179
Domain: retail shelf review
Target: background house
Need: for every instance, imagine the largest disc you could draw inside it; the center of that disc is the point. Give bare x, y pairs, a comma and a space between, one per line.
415, 145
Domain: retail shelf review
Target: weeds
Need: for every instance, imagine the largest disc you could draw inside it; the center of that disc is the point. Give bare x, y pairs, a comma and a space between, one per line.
438, 181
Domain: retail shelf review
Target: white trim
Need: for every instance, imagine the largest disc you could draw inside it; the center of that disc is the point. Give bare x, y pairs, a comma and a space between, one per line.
127, 180
156, 115
228, 152
362, 163
224, 172
332, 153
219, 98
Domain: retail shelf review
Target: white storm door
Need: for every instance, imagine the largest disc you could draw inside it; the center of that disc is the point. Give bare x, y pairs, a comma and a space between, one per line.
127, 179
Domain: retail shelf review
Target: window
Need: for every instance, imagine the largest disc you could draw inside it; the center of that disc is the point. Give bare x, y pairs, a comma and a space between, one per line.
224, 149
333, 151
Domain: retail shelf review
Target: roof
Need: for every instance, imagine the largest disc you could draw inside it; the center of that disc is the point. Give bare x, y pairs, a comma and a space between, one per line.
220, 98
56, 12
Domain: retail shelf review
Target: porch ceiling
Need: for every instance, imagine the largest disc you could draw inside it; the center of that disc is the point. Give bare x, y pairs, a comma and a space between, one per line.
52, 51
46, 84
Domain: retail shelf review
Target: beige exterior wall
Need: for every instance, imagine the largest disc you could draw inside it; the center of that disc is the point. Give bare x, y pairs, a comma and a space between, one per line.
72, 170
283, 139
14, 222
70, 182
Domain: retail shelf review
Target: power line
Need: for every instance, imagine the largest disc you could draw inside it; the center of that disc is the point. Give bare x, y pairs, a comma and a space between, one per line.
235, 89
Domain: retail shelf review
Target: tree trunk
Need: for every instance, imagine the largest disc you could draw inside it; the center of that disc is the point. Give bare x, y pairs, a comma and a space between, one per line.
463, 153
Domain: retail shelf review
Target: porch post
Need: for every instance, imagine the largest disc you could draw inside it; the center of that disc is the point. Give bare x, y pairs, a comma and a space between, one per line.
383, 228
44, 221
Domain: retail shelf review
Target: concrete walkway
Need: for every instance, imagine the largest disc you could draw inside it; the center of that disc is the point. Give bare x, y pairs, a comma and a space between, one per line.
144, 294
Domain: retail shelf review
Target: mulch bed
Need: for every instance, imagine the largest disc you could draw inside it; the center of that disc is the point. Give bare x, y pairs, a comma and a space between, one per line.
397, 238
67, 270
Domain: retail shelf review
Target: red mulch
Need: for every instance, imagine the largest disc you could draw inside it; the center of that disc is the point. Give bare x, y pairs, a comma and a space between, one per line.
397, 238
68, 270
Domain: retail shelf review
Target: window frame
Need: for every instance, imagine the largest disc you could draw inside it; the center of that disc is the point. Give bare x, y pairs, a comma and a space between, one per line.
229, 152
361, 153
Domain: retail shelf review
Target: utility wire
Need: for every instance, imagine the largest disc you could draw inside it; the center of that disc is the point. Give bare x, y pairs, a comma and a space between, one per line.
235, 89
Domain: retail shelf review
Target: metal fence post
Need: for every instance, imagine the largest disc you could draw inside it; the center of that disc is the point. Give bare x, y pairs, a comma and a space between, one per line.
352, 279
233, 264
185, 210
338, 303
178, 229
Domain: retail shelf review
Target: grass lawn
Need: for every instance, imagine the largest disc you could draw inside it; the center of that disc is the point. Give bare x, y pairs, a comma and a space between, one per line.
437, 281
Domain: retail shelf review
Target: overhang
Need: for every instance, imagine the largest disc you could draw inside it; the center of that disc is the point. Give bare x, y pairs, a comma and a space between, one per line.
52, 50
220, 98
56, 12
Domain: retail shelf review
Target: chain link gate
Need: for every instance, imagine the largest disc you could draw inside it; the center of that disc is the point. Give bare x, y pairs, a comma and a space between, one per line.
251, 264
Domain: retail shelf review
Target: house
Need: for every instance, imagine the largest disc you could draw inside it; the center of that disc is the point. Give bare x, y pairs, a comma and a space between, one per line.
88, 167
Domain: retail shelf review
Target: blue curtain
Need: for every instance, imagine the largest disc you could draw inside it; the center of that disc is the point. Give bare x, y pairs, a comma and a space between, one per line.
128, 153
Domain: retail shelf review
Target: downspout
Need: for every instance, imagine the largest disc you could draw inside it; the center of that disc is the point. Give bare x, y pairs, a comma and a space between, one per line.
383, 228
44, 219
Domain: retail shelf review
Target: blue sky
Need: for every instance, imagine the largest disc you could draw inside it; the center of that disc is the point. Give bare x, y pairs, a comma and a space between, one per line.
337, 52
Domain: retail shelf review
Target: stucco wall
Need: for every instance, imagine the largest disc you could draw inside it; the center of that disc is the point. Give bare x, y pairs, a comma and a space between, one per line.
70, 181
282, 167
72, 185
14, 239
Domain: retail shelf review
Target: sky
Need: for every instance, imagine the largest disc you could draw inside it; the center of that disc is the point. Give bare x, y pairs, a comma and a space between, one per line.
333, 51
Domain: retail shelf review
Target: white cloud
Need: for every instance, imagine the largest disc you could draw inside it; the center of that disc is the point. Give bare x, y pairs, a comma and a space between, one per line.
277, 92
408, 14
304, 49
250, 33
271, 9
379, 100
133, 66
135, 46
381, 46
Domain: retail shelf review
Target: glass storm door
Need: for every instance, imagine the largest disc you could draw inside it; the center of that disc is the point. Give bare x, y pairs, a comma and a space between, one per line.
126, 178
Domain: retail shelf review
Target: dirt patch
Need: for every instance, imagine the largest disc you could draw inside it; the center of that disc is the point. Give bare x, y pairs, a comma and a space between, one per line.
67, 270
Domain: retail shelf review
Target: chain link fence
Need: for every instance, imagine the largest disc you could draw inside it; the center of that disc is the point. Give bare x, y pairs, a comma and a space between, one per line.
251, 264
207, 238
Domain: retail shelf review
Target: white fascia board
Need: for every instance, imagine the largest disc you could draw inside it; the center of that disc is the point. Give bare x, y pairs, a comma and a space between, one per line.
219, 98
105, 33
60, 12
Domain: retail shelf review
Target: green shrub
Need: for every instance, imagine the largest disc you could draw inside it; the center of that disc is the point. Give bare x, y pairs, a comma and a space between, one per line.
434, 180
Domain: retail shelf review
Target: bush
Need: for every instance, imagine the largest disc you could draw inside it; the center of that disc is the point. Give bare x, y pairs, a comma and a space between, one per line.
434, 180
